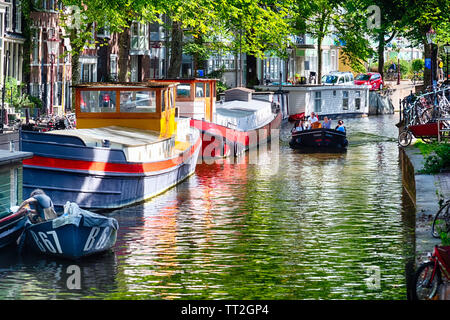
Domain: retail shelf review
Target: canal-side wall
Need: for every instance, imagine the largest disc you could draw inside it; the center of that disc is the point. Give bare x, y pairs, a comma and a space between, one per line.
425, 190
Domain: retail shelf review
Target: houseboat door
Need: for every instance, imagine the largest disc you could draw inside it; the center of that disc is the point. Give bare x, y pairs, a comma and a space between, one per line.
208, 101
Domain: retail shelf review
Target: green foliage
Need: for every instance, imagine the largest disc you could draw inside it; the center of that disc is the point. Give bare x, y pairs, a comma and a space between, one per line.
14, 94
218, 74
445, 239
418, 65
437, 157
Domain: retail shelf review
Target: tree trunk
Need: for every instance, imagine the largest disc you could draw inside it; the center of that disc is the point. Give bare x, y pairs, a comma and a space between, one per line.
124, 54
75, 66
252, 77
319, 60
176, 50
199, 62
430, 74
381, 45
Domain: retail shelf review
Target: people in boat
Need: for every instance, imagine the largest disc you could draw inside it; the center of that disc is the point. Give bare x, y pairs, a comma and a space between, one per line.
43, 206
326, 123
300, 125
340, 126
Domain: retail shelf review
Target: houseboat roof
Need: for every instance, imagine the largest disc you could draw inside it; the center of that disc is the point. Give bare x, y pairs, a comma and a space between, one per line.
7, 157
127, 137
186, 79
149, 84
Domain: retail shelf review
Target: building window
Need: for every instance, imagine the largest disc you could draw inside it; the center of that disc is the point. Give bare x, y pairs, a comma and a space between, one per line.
104, 32
35, 48
344, 100
8, 19
139, 36
318, 101
18, 26
88, 72
358, 100
113, 61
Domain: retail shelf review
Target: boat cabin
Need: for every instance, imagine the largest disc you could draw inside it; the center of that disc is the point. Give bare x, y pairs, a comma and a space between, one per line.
11, 179
196, 97
142, 105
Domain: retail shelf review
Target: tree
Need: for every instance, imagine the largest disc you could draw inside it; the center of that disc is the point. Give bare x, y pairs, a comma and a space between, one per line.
238, 26
424, 15
341, 18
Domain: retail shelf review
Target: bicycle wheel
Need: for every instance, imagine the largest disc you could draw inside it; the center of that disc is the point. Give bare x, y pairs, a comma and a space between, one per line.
425, 285
404, 138
441, 222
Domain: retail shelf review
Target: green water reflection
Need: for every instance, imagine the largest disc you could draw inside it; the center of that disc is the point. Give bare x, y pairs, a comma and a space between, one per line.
293, 226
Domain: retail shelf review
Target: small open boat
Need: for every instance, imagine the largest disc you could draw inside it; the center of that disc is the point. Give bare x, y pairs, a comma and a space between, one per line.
75, 234
11, 226
319, 140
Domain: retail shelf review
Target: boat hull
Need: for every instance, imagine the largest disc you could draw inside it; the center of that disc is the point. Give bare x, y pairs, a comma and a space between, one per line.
319, 140
69, 241
98, 178
11, 227
220, 141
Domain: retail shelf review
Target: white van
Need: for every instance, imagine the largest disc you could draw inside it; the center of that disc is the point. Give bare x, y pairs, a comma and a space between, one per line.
336, 77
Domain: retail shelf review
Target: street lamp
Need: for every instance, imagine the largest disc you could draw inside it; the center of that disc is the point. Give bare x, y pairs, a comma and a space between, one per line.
431, 36
447, 51
52, 49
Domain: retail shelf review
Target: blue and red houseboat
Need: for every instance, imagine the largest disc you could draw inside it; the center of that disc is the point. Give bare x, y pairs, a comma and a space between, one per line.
230, 127
128, 146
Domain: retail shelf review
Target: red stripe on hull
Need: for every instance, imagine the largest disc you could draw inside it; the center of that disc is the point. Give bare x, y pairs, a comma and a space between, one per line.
230, 136
110, 167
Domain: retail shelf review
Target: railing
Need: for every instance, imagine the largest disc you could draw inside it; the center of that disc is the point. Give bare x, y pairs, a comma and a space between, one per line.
442, 131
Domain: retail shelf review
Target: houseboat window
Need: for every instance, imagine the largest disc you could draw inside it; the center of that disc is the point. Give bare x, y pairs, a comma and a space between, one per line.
184, 90
172, 101
98, 101
318, 101
137, 101
207, 91
344, 100
199, 90
357, 100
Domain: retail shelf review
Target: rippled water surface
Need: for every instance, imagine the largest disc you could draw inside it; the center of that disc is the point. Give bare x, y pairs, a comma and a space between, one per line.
278, 225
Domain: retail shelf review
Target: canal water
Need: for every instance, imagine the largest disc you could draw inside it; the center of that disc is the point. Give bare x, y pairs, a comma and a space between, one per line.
278, 225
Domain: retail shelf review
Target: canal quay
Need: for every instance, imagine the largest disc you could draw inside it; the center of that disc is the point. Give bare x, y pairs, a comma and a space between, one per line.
287, 226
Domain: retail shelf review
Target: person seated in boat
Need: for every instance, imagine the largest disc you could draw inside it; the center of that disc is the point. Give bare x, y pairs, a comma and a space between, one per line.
340, 126
43, 206
300, 125
314, 121
313, 118
326, 123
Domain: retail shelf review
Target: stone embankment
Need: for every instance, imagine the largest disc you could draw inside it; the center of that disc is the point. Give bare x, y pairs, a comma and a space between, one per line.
425, 191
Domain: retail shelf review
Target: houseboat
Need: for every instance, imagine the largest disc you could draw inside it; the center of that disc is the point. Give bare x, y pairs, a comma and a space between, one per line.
333, 101
230, 127
11, 221
128, 146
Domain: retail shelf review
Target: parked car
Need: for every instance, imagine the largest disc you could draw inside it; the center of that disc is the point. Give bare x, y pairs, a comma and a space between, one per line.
372, 79
336, 77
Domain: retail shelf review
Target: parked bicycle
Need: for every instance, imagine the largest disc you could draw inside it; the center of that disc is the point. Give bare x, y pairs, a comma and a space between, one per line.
441, 221
428, 277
